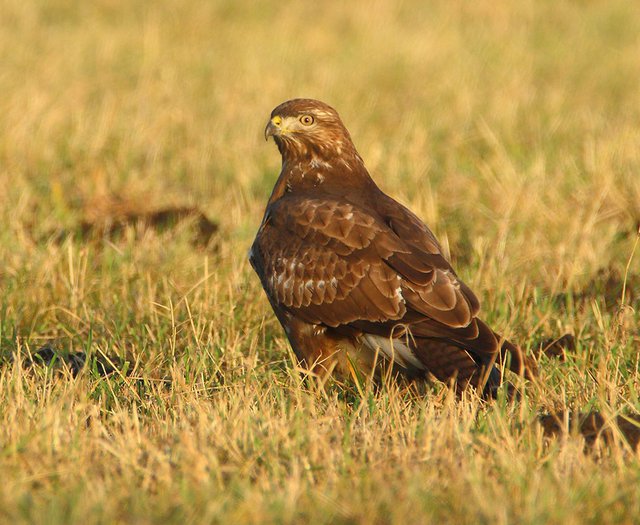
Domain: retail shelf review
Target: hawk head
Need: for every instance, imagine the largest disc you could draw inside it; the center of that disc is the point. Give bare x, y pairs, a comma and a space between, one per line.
306, 128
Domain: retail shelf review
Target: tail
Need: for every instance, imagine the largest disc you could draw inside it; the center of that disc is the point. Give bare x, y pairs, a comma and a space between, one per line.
452, 363
520, 364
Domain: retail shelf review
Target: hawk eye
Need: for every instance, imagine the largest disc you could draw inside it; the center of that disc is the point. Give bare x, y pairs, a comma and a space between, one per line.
307, 120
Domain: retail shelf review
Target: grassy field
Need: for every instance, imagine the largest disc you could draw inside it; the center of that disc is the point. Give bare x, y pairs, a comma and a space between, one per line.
512, 128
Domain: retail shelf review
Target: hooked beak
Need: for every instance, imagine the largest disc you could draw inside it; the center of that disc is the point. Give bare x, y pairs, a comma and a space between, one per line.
273, 127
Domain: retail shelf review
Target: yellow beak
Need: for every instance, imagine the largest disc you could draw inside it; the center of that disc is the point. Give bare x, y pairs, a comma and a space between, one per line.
273, 127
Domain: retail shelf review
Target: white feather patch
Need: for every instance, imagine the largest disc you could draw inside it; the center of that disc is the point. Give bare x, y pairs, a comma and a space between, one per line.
394, 349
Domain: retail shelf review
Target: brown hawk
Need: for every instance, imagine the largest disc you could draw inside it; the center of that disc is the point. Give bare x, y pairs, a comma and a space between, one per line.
354, 277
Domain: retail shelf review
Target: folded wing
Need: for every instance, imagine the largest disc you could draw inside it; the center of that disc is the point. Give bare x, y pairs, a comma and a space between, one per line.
330, 262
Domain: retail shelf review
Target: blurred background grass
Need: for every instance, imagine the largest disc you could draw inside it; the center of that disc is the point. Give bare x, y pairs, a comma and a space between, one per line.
512, 128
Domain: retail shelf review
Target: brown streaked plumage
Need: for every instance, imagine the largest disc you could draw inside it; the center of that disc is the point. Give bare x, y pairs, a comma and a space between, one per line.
353, 276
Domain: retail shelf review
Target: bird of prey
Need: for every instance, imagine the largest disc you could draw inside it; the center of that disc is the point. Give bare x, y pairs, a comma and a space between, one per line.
354, 277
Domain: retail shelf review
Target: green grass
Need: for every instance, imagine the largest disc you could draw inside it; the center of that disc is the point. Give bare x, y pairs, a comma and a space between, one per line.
510, 127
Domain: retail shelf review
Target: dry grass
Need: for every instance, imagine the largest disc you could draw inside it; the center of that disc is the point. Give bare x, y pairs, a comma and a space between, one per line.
510, 127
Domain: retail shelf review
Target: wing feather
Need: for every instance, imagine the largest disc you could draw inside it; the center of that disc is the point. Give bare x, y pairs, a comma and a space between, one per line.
331, 262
